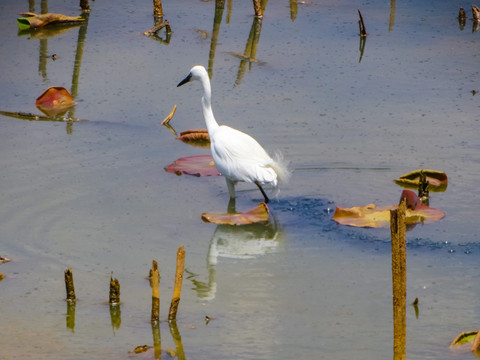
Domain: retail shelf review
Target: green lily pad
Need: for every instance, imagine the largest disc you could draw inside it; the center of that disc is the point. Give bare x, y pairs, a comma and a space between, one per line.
23, 23
464, 338
437, 180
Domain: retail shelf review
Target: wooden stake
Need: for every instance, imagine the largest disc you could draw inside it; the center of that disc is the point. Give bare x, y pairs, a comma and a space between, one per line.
172, 315
423, 192
157, 9
155, 281
399, 279
69, 285
84, 5
114, 296
257, 6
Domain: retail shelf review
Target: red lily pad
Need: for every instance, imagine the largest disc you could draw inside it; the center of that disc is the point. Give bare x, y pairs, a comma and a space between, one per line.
55, 101
200, 165
259, 213
198, 138
373, 216
437, 180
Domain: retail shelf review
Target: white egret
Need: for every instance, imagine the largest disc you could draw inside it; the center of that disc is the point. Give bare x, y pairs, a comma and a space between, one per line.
237, 155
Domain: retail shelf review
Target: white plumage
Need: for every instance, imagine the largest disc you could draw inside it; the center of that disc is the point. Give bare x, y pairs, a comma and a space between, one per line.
237, 155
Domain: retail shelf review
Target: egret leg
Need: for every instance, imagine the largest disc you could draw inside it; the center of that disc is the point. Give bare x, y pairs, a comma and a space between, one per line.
263, 192
231, 188
231, 209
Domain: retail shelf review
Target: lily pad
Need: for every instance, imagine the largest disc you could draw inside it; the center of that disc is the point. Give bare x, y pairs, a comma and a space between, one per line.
55, 101
372, 216
464, 338
437, 180
259, 213
198, 138
200, 165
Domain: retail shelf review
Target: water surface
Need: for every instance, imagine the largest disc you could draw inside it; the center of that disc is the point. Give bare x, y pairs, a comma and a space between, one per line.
94, 195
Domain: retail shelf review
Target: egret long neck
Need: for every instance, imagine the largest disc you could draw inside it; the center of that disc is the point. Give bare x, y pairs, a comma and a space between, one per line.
207, 105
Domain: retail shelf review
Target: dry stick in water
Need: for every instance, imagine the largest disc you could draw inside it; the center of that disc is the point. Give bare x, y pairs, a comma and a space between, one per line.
69, 285
157, 9
84, 5
114, 296
155, 281
258, 8
172, 315
399, 279
361, 25
164, 24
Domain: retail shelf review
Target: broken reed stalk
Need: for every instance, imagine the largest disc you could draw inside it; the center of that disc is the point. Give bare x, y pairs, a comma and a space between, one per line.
84, 5
423, 192
164, 24
257, 6
361, 25
155, 281
69, 285
157, 9
399, 279
172, 314
166, 121
114, 295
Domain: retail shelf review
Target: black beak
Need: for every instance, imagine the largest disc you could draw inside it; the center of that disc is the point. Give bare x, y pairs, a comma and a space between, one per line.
184, 81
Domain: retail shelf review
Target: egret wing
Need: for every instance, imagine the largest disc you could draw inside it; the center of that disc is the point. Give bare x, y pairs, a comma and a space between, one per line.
240, 157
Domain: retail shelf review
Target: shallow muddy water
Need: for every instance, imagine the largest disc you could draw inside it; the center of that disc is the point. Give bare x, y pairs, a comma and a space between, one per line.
94, 195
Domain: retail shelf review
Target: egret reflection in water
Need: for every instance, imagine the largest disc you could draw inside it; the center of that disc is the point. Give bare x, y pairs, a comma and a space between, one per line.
237, 242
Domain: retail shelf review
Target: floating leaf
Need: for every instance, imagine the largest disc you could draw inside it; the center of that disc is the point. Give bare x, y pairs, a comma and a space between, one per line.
55, 101
258, 214
32, 20
437, 180
198, 138
371, 216
200, 165
466, 337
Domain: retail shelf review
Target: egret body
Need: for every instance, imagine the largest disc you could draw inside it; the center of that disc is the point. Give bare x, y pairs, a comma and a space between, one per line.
237, 155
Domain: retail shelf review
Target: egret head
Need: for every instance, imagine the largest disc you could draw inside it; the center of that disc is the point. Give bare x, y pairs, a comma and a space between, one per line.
196, 73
